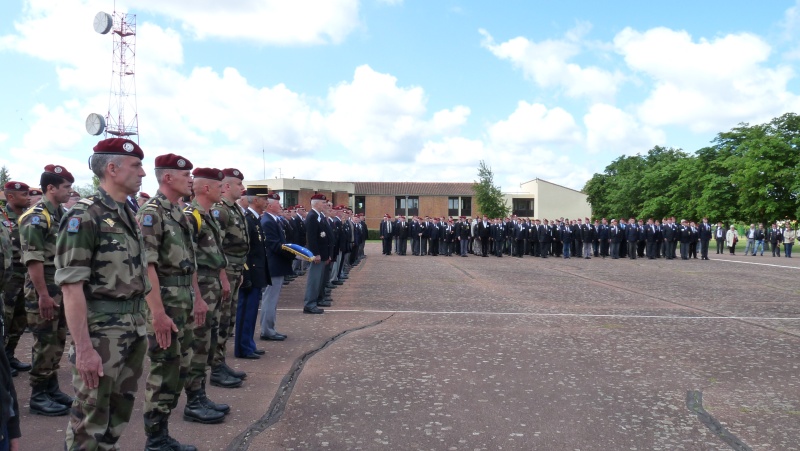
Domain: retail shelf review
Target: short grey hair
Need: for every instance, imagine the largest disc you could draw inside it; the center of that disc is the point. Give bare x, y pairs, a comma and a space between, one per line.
100, 161
161, 172
315, 202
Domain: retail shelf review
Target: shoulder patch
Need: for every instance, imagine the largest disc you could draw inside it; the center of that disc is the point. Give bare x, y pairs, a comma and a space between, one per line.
147, 220
35, 220
74, 225
215, 213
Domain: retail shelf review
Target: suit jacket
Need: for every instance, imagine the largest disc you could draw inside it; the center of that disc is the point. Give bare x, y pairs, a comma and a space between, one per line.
775, 236
318, 235
716, 231
602, 232
279, 262
587, 233
257, 273
384, 229
615, 234
705, 231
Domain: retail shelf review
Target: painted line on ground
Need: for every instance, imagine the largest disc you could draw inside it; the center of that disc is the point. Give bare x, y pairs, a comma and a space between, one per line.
569, 315
759, 264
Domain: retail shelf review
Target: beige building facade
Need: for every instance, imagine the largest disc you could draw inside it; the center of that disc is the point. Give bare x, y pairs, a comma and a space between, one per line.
541, 199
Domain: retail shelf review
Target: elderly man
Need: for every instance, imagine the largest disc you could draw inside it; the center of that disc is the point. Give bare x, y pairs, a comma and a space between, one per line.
280, 266
102, 271
318, 236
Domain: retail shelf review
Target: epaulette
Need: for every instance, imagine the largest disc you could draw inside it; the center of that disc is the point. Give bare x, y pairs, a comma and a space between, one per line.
198, 218
38, 209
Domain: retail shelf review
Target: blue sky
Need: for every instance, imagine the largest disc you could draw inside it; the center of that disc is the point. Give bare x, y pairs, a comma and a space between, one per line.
398, 90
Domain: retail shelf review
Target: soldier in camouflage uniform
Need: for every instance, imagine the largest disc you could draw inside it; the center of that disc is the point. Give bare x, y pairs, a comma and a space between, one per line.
235, 243
214, 287
172, 273
102, 273
38, 229
14, 306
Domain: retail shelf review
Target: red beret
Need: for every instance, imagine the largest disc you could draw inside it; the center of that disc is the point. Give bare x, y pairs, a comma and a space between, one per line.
144, 195
300, 207
274, 196
16, 186
231, 172
172, 161
75, 194
119, 146
59, 171
319, 196
35, 192
338, 208
462, 217
208, 173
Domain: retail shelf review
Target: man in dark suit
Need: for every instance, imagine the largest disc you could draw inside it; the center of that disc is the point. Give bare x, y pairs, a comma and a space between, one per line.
424, 235
433, 243
631, 236
318, 241
402, 234
684, 234
279, 263
545, 238
651, 239
719, 236
484, 234
775, 237
614, 239
705, 238
602, 237
256, 276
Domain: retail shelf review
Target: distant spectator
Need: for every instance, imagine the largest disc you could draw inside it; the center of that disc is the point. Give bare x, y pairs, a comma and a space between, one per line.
731, 238
789, 236
751, 240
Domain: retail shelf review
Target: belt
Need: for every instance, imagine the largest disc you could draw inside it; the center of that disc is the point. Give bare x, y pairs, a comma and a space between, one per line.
176, 281
236, 260
136, 305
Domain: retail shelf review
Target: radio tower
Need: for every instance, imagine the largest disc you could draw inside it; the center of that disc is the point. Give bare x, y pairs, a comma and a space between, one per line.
122, 119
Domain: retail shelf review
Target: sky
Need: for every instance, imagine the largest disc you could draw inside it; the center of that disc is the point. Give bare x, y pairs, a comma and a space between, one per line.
396, 90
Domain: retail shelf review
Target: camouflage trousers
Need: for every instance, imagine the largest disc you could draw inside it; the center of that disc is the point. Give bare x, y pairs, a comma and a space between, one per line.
205, 335
14, 312
49, 336
168, 367
227, 319
99, 416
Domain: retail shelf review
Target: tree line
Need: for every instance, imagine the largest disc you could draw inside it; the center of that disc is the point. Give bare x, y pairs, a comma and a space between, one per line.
748, 174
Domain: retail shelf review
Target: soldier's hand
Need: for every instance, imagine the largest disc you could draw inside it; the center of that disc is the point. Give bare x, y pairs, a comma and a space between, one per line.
200, 309
164, 327
47, 306
89, 366
14, 444
226, 288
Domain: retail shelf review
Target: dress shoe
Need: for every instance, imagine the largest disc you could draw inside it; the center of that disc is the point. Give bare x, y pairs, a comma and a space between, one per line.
324, 304
13, 362
313, 310
14, 373
276, 337
252, 356
259, 352
337, 282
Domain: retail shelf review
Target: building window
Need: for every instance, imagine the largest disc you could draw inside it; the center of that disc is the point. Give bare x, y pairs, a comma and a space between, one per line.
360, 205
522, 207
406, 206
452, 206
288, 197
466, 206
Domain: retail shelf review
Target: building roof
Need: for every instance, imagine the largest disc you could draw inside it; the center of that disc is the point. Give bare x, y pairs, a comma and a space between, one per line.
413, 189
537, 179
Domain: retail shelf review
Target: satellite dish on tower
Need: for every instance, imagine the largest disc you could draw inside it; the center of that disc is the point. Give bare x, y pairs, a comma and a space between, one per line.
95, 124
103, 22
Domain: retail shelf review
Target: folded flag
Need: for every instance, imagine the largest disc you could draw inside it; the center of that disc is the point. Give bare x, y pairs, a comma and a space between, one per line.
299, 252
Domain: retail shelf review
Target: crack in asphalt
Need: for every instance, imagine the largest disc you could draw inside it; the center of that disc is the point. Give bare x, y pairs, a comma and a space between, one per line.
284, 392
694, 402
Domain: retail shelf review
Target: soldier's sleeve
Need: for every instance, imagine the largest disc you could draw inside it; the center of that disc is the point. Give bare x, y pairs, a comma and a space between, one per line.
75, 246
220, 213
32, 232
152, 230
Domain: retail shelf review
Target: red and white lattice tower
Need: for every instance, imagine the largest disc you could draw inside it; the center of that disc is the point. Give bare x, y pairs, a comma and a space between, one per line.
122, 118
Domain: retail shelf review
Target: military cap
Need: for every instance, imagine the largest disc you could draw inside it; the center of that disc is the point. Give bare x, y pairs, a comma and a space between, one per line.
257, 190
274, 196
172, 161
59, 171
16, 186
119, 146
75, 194
144, 195
208, 173
300, 207
231, 172
338, 208
34, 192
319, 196
462, 217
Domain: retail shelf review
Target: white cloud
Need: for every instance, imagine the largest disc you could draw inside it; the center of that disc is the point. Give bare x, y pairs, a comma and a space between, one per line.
533, 125
3, 137
707, 85
613, 131
264, 21
547, 64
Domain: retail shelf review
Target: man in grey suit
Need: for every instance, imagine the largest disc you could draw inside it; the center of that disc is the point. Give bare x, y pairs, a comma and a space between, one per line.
280, 266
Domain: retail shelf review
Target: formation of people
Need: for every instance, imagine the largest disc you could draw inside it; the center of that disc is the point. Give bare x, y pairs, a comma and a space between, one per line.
581, 238
170, 277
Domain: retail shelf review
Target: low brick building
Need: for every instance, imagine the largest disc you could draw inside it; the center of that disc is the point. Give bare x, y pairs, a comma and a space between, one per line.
433, 199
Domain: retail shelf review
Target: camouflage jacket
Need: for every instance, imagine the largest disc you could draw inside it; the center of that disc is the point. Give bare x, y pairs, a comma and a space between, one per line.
207, 238
100, 243
167, 237
235, 240
11, 220
38, 229
6, 255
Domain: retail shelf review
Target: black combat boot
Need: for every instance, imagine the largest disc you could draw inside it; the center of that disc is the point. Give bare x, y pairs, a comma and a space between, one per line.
198, 412
14, 372
219, 407
42, 404
161, 441
14, 363
221, 378
55, 392
235, 373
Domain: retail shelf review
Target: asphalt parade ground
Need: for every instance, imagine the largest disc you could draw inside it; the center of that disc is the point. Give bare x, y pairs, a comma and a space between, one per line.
452, 353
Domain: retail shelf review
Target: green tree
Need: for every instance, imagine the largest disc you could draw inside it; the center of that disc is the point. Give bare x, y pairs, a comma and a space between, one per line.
5, 176
489, 196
